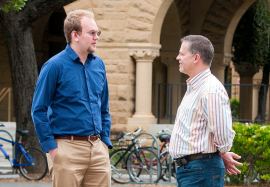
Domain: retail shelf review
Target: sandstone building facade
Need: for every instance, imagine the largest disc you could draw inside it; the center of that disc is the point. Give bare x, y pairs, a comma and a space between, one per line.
139, 43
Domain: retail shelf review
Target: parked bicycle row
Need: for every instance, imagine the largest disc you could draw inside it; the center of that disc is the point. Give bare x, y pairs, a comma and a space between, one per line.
140, 159
135, 158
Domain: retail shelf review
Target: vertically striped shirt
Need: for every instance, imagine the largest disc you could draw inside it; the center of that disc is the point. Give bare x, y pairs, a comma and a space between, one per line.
203, 122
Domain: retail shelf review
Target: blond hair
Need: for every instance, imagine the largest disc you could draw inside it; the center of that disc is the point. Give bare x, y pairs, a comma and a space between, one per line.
73, 22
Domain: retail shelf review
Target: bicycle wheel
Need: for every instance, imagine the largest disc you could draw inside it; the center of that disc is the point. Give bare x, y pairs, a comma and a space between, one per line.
163, 162
145, 161
164, 170
118, 166
39, 166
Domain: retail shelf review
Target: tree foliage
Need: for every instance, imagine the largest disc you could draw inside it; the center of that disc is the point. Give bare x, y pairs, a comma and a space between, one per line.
16, 5
251, 38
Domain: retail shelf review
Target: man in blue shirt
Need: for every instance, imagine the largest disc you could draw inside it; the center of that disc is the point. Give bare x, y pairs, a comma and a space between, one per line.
70, 108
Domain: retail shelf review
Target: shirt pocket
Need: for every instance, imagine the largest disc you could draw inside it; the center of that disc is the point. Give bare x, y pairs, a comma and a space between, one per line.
72, 87
98, 84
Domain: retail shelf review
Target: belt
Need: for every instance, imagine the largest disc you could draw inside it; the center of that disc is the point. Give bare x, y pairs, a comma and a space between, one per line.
186, 159
86, 138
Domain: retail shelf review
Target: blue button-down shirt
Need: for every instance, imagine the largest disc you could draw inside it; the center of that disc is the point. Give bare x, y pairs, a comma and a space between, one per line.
71, 99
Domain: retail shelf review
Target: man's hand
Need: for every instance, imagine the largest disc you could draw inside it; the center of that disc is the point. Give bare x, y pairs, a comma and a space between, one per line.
53, 153
230, 163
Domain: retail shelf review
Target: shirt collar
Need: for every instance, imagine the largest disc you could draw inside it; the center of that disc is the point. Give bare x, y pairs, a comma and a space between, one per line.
74, 55
196, 81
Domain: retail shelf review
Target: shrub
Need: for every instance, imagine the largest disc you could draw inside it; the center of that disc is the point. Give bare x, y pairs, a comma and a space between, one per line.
235, 107
252, 142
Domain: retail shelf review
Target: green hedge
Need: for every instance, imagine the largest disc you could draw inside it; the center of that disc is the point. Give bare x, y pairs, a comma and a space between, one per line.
252, 143
235, 107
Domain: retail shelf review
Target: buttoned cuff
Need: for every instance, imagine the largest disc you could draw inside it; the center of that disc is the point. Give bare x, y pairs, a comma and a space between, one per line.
48, 145
224, 149
107, 141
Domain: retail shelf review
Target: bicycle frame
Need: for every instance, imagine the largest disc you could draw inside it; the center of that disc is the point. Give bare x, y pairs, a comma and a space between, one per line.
165, 153
127, 150
29, 158
147, 160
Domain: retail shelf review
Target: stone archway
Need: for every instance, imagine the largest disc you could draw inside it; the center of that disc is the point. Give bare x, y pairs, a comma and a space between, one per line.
233, 24
246, 72
148, 27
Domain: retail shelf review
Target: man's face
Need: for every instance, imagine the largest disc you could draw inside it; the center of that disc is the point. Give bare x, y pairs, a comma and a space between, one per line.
185, 59
88, 36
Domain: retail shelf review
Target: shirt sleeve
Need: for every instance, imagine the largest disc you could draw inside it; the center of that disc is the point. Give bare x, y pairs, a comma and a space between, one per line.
45, 89
105, 116
220, 121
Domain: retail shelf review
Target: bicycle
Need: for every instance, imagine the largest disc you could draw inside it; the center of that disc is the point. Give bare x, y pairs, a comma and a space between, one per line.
164, 155
32, 162
134, 163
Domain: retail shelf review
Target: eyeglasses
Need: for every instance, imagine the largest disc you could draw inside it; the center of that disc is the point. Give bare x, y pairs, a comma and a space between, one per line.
93, 33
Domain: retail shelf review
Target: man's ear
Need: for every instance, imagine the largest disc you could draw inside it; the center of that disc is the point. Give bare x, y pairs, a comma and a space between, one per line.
74, 36
197, 58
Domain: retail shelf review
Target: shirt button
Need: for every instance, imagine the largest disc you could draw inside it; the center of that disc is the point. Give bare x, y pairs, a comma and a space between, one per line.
89, 91
93, 115
91, 103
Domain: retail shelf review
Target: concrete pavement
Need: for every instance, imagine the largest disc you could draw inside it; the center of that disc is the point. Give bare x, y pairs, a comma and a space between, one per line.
30, 184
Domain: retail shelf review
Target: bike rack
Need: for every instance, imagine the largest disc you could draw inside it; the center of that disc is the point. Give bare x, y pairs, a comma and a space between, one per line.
170, 160
154, 141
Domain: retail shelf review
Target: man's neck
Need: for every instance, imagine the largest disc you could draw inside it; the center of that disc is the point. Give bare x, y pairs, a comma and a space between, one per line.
198, 71
82, 55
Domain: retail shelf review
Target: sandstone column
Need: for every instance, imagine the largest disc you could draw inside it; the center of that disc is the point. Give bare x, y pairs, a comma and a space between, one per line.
246, 72
218, 65
143, 101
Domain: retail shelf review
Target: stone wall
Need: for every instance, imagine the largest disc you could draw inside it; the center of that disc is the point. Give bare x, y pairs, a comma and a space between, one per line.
125, 23
120, 70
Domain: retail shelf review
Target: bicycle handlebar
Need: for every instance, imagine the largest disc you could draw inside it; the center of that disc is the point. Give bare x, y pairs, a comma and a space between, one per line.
165, 130
133, 133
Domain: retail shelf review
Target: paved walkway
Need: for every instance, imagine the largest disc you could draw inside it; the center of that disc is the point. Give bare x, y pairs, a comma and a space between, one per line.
30, 184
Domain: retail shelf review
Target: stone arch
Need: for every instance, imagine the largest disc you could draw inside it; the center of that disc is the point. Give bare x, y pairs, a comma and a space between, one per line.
144, 19
82, 4
233, 24
43, 36
158, 21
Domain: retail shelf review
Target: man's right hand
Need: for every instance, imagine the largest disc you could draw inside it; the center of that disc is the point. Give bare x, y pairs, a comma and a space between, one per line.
53, 153
230, 163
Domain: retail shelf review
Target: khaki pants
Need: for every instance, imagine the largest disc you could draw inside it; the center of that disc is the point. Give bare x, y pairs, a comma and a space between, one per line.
80, 164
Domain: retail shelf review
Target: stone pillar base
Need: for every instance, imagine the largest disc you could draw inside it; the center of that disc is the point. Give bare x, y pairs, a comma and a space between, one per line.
139, 121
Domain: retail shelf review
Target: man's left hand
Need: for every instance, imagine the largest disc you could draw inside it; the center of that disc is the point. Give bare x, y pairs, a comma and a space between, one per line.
230, 163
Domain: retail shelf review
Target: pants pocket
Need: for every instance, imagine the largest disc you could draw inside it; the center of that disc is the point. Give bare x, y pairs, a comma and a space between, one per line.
218, 175
105, 147
190, 175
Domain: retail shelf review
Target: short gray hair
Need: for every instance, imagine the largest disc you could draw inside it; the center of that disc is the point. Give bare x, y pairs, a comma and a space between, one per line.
201, 45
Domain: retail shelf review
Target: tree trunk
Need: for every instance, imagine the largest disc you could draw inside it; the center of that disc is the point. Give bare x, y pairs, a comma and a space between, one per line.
22, 61
263, 94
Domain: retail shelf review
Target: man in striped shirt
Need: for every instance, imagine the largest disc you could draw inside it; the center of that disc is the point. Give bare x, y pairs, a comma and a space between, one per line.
202, 134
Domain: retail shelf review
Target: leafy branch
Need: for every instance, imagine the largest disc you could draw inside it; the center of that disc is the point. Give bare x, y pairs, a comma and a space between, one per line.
16, 5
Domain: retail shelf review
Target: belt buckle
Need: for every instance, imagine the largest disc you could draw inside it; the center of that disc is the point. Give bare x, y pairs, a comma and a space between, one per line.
183, 161
177, 163
89, 138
